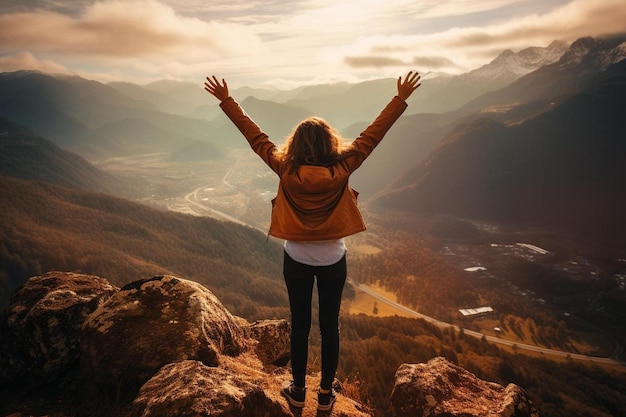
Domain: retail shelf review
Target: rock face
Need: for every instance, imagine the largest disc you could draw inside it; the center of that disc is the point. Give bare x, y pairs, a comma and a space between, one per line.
442, 389
40, 329
190, 388
151, 323
273, 339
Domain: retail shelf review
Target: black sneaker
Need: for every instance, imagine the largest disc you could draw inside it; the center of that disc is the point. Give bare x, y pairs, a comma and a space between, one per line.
325, 401
294, 395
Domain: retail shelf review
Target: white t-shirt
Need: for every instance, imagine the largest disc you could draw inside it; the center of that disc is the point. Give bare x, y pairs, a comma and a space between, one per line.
316, 253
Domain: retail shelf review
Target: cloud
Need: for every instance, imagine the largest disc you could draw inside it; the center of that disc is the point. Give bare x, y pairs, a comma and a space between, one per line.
577, 19
470, 47
27, 61
432, 62
124, 29
301, 41
373, 61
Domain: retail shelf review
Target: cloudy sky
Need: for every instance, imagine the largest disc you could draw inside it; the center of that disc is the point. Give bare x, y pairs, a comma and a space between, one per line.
285, 43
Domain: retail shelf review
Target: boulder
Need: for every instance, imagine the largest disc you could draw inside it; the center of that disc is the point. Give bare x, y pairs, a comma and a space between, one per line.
442, 389
151, 323
40, 329
189, 388
273, 341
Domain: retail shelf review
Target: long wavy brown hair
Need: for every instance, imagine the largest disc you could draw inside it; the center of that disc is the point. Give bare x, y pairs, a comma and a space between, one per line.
312, 142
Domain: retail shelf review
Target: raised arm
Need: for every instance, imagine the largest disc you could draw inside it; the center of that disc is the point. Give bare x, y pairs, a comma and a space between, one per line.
362, 146
258, 140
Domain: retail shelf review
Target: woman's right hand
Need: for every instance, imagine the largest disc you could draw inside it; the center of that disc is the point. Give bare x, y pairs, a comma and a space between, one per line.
410, 84
220, 91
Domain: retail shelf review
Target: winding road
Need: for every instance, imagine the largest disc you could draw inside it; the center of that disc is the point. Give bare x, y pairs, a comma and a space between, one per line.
192, 199
493, 339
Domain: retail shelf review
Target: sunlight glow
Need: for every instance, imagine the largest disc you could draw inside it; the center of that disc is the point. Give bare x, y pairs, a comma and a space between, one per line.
267, 41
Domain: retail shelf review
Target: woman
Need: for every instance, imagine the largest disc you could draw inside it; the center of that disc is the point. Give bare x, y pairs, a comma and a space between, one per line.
314, 210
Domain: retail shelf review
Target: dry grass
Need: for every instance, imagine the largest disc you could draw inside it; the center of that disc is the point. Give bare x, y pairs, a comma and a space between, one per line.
366, 304
584, 342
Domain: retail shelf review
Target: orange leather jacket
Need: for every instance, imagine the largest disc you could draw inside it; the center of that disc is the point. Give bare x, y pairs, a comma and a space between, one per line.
315, 202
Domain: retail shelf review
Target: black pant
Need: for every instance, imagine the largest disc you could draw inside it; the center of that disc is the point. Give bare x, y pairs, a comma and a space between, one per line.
330, 281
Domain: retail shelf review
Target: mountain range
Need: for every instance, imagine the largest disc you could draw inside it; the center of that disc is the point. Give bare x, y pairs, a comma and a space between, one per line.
94, 119
545, 91
99, 120
579, 65
450, 93
556, 163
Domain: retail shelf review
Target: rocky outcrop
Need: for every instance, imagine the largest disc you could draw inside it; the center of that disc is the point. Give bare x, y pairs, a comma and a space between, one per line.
40, 329
158, 346
273, 341
151, 323
166, 346
442, 389
190, 388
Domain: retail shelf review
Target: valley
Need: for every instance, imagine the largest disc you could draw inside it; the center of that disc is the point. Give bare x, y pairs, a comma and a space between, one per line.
544, 288
237, 189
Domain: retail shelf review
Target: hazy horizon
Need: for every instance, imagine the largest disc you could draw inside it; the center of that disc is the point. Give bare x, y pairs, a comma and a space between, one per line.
278, 44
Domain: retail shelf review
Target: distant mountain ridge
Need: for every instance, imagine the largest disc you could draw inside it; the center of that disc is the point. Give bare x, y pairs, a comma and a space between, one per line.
26, 155
584, 59
99, 121
175, 96
453, 92
94, 119
74, 112
277, 120
197, 151
415, 135
562, 168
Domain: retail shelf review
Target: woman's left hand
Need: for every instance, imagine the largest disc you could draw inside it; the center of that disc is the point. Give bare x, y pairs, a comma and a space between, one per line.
213, 86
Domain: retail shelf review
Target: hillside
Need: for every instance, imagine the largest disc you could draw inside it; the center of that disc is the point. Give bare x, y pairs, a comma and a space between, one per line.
137, 136
277, 120
562, 168
344, 104
405, 144
25, 155
176, 99
46, 227
197, 151
94, 119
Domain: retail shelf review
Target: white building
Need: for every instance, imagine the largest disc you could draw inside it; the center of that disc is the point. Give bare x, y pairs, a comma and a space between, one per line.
467, 312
